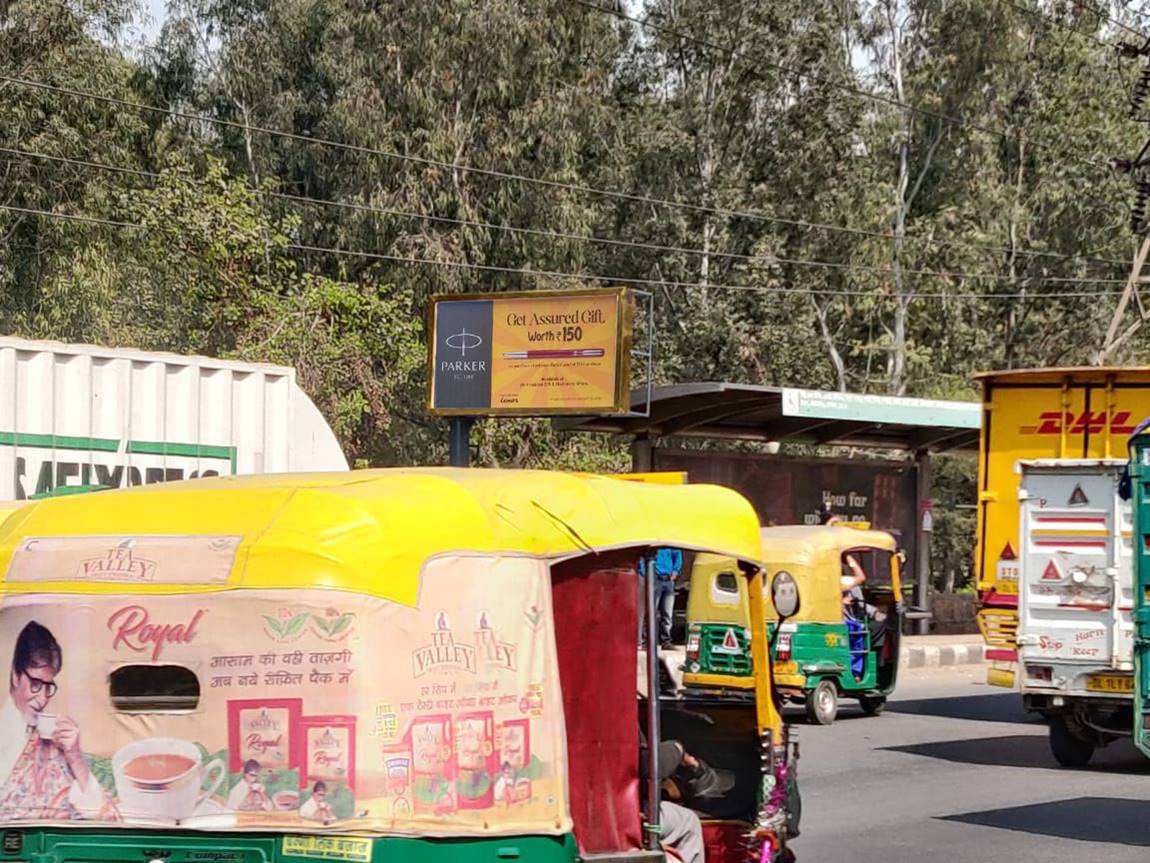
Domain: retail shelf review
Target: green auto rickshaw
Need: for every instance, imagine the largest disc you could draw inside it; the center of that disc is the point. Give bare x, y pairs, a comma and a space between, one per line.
837, 646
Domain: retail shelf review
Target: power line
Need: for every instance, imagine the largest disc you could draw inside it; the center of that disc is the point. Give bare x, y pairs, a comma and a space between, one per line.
505, 175
1102, 16
771, 260
606, 279
71, 217
1036, 13
819, 79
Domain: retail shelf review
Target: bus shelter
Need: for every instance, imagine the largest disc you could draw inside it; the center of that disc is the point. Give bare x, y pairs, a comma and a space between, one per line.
901, 434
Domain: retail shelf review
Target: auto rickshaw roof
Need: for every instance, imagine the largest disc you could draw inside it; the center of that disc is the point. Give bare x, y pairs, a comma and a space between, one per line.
812, 553
371, 531
805, 543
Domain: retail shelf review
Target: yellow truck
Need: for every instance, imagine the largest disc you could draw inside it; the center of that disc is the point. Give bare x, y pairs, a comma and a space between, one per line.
1054, 413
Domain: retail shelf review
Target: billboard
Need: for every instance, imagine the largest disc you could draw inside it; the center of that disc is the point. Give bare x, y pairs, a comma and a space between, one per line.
303, 710
530, 354
791, 491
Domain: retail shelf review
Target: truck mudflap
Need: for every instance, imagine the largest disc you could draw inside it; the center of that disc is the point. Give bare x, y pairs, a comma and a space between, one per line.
999, 628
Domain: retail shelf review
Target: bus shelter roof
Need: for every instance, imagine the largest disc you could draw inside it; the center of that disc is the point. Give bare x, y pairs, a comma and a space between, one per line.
732, 411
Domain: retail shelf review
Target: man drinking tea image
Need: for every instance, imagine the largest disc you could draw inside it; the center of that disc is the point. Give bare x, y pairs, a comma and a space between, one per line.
43, 769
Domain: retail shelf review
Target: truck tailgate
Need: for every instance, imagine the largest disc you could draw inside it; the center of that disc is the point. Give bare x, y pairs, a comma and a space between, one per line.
1075, 565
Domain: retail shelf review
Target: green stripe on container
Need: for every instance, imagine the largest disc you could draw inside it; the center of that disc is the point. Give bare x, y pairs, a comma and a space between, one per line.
50, 441
143, 447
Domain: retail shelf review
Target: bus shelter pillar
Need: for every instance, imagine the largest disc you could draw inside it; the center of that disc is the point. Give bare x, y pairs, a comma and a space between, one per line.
923, 531
642, 454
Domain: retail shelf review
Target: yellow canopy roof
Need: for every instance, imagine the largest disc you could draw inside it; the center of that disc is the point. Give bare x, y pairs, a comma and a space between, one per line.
812, 555
802, 543
372, 531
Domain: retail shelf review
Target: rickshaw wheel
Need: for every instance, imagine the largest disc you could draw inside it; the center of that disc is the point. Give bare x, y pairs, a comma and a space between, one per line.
872, 705
1068, 749
823, 703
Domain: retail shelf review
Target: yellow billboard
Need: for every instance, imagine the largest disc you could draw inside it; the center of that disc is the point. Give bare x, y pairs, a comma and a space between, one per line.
536, 353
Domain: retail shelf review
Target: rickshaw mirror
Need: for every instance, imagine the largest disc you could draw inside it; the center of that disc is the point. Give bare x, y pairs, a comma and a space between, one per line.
901, 555
785, 594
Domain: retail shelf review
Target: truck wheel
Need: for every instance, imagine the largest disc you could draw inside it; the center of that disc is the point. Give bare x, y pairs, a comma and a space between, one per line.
872, 705
823, 703
1069, 750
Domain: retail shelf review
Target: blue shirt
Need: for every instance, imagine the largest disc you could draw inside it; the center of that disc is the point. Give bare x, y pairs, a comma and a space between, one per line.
668, 563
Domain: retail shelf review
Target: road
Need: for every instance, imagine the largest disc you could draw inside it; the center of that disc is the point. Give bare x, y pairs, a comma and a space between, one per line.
955, 771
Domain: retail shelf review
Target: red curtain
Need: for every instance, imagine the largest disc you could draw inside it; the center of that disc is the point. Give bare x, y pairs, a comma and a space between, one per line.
596, 627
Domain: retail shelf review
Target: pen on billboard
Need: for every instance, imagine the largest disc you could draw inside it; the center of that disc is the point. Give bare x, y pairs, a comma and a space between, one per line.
554, 354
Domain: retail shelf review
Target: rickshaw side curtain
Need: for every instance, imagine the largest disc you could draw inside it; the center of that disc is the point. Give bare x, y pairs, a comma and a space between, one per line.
596, 601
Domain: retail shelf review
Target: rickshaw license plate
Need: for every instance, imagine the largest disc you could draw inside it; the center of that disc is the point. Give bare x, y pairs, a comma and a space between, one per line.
1109, 683
786, 668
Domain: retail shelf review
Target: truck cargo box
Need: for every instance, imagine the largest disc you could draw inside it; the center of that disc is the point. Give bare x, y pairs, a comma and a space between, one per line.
84, 417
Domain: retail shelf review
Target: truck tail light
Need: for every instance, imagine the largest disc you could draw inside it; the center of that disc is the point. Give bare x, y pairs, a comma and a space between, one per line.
1041, 673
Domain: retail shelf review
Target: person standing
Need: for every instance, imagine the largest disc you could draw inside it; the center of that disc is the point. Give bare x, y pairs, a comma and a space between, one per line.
668, 565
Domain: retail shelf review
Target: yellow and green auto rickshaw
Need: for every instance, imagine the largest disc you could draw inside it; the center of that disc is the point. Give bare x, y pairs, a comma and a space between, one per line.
377, 665
833, 648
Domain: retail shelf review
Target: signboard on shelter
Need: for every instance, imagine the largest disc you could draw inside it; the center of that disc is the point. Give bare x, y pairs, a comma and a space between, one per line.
536, 353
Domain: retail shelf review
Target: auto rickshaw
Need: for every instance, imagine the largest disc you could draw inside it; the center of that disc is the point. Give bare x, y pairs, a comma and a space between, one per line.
375, 665
828, 650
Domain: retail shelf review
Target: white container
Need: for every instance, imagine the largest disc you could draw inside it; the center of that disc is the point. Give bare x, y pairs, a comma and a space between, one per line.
1075, 634
84, 416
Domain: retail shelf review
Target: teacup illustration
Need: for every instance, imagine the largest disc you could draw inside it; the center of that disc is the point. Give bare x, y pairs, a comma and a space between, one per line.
162, 779
46, 725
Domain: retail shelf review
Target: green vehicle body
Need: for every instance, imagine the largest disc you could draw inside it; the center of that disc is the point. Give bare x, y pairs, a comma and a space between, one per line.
127, 846
822, 651
1140, 504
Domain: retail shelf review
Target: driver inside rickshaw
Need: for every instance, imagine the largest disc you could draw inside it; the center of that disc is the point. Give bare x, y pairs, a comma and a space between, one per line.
687, 782
855, 607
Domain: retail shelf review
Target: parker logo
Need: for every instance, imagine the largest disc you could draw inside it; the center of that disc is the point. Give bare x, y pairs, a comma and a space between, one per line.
134, 630
119, 564
1086, 422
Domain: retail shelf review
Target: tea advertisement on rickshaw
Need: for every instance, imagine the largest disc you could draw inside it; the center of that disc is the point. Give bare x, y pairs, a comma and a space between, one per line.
323, 710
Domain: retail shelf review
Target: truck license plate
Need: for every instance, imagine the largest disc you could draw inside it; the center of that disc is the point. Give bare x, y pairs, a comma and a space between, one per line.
1109, 683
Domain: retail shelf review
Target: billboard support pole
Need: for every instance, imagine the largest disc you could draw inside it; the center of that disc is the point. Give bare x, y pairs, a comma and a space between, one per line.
459, 441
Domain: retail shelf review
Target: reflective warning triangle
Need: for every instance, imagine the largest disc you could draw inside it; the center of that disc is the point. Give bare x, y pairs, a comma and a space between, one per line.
1078, 497
1051, 573
1008, 552
730, 642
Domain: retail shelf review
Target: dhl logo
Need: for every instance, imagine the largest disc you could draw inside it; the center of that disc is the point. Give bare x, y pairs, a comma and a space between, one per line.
1087, 422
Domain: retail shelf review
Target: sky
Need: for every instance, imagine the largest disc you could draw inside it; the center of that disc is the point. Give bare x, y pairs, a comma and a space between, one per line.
156, 11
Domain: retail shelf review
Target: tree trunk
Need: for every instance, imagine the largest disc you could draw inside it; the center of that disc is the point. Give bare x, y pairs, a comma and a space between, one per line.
897, 364
833, 352
1013, 319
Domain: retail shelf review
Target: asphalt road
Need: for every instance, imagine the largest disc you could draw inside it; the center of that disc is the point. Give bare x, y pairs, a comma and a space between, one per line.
955, 771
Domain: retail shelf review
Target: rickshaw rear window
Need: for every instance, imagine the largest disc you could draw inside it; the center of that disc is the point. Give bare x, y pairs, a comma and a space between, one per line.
727, 582
154, 688
875, 563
